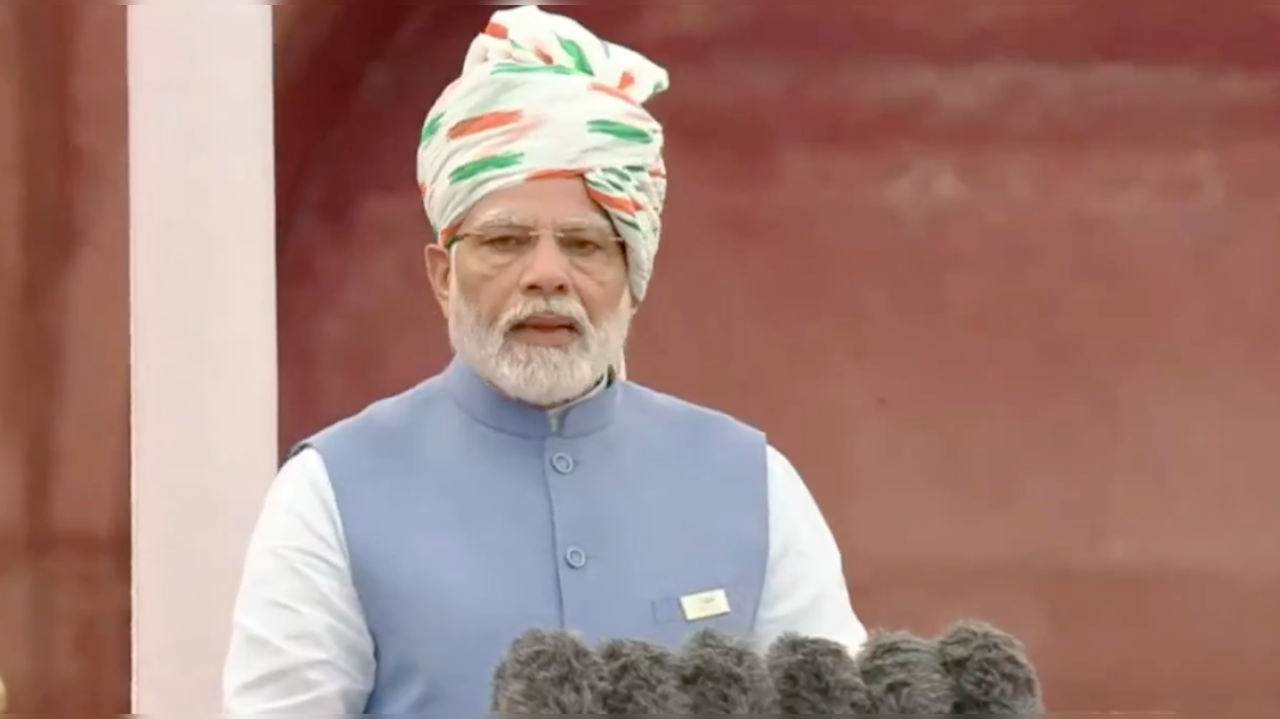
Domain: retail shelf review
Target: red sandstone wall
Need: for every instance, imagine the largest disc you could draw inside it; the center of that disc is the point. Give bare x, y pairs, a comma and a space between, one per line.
1001, 280
64, 434
1013, 319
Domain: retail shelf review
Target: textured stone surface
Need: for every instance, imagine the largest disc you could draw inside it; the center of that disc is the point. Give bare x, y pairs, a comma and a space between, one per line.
64, 479
1001, 280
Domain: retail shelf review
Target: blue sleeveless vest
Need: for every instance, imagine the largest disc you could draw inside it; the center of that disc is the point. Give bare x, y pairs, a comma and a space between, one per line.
470, 518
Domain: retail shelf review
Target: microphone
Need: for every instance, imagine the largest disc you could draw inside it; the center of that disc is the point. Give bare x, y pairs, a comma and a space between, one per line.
722, 675
905, 674
640, 678
548, 672
990, 671
815, 676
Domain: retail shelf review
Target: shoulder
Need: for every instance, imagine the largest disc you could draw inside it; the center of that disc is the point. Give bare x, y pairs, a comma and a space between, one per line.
378, 433
651, 400
392, 410
790, 500
383, 424
299, 520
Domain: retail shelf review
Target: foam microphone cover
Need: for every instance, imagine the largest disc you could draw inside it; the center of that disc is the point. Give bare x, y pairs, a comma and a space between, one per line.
723, 675
548, 672
905, 674
640, 678
990, 670
815, 676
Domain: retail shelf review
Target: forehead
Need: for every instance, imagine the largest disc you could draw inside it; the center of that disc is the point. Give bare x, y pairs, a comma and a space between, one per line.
546, 202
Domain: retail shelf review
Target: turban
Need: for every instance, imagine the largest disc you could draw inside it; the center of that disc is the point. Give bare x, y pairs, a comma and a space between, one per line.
540, 96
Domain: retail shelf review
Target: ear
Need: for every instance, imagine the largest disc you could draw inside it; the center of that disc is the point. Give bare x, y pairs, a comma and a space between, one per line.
439, 264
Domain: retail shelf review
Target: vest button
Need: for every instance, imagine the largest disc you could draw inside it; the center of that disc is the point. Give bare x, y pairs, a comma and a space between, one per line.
562, 463
576, 558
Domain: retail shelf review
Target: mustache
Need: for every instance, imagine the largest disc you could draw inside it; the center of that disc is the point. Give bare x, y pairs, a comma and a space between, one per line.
565, 307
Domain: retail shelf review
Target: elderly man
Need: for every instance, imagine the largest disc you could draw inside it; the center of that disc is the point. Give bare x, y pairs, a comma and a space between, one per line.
528, 485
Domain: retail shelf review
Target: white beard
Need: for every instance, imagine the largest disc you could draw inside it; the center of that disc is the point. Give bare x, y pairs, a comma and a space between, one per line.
539, 375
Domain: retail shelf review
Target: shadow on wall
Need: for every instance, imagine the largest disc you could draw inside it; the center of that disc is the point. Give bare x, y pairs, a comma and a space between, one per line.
1002, 282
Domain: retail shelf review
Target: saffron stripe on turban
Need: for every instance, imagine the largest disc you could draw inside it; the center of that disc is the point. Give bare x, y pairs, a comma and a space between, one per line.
541, 96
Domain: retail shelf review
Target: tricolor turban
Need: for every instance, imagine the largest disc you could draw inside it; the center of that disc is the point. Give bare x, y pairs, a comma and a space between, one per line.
541, 96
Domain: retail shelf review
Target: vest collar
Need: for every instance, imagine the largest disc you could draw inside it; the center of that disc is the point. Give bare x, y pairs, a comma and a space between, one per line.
493, 409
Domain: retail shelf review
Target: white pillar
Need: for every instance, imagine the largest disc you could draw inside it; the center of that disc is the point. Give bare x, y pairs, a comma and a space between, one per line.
202, 277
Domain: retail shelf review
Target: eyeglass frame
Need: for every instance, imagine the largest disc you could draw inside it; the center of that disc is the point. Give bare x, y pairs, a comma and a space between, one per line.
483, 238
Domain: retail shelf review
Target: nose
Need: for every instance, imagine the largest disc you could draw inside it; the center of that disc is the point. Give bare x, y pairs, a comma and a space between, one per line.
547, 272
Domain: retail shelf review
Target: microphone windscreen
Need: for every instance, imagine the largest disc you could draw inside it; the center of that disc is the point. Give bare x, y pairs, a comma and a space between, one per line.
815, 676
990, 671
723, 675
548, 672
640, 678
904, 674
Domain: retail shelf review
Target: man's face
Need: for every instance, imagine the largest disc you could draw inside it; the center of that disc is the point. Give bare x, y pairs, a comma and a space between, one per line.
535, 291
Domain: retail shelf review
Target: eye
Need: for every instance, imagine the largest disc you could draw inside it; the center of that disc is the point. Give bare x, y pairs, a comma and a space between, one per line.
581, 246
504, 240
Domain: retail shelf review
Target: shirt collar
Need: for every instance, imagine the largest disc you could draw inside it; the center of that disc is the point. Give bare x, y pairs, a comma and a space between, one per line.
485, 404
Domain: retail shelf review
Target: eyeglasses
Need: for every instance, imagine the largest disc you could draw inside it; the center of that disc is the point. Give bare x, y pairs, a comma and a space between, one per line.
589, 249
